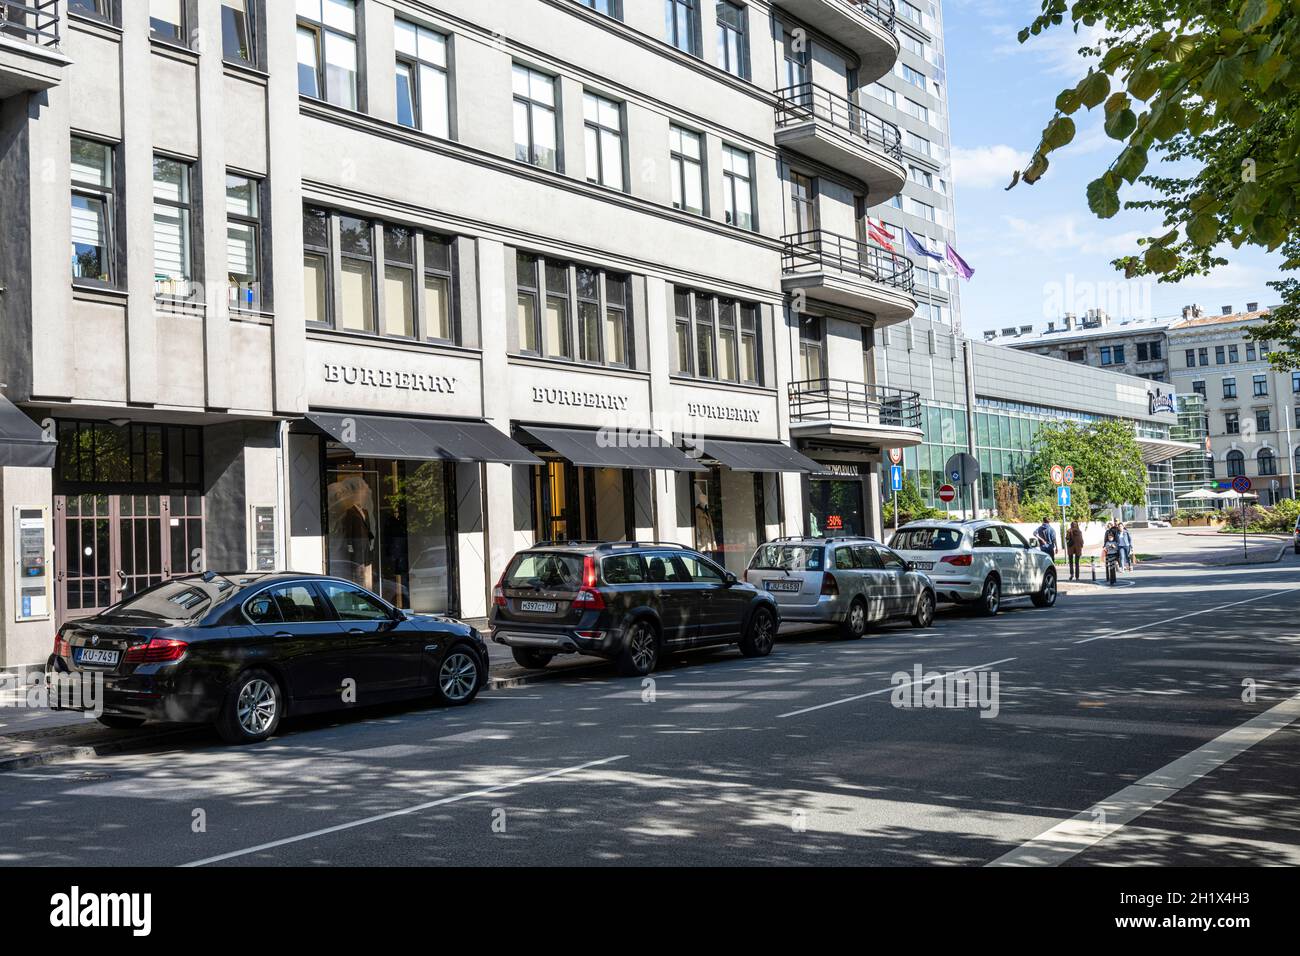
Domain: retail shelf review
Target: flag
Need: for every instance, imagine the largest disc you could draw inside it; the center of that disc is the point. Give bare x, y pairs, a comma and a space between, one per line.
958, 263
880, 234
914, 245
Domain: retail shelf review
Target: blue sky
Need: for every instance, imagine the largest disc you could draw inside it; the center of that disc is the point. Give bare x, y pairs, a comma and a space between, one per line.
1037, 250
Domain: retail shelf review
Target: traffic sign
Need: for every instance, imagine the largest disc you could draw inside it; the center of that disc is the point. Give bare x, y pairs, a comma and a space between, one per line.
896, 477
1058, 475
1241, 484
1063, 496
962, 469
896, 455
947, 493
1069, 474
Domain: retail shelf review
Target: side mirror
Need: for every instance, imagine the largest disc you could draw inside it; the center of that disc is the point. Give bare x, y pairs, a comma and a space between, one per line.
911, 565
729, 579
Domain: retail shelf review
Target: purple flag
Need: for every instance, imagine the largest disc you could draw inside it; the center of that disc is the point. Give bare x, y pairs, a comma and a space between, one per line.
958, 263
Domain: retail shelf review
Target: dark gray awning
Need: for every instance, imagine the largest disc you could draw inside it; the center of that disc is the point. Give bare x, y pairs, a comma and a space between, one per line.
615, 448
421, 439
22, 443
763, 456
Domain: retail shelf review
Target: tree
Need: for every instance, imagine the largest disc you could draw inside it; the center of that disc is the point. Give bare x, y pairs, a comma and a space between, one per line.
1211, 85
1107, 463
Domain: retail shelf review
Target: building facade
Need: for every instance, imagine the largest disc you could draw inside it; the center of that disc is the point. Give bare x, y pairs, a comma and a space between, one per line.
1132, 346
392, 288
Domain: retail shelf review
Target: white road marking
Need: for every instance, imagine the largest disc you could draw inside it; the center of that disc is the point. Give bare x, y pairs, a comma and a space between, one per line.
1181, 617
406, 811
890, 689
1071, 837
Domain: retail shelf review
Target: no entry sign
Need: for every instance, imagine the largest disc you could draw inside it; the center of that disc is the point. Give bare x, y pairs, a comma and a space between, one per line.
947, 493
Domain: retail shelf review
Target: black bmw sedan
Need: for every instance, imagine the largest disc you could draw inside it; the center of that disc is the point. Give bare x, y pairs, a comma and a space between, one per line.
242, 651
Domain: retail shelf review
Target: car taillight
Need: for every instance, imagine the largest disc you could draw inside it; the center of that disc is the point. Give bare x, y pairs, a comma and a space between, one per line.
960, 560
158, 651
589, 599
829, 587
61, 647
589, 572
499, 592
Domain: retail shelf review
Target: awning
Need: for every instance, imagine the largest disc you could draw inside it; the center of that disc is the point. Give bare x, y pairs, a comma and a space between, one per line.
616, 448
22, 442
763, 456
421, 439
1156, 450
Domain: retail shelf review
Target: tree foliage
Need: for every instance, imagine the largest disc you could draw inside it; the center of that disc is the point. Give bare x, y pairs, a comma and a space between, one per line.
1107, 462
1214, 83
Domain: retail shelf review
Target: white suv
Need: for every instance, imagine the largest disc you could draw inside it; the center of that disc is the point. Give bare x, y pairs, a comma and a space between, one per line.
980, 562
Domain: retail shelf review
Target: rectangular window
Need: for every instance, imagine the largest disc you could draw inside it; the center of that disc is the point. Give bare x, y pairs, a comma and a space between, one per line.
244, 243
917, 111
682, 313
1156, 351
1295, 382
603, 127
316, 265
918, 144
357, 280
528, 296
1220, 355
909, 12
1191, 358
728, 342
884, 94
716, 338
422, 91
913, 76
618, 331
1229, 388
1105, 355
681, 25
812, 349
686, 158
1261, 385
1232, 423
399, 281
535, 118
1250, 351
705, 347
556, 337
733, 45
237, 32
611, 8
600, 304
1199, 388
1263, 420
173, 228
803, 203
167, 20
588, 315
327, 51
100, 9
1234, 354
1142, 352
794, 55
738, 187
1203, 355
437, 289
92, 211
1119, 355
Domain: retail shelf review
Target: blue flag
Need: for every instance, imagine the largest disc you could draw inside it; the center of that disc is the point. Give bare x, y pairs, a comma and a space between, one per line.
915, 246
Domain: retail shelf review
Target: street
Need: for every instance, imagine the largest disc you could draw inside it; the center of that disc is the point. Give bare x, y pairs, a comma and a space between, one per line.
1118, 735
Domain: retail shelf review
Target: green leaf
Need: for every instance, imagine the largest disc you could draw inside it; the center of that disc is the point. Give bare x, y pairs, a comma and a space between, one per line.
1161, 260
1068, 101
1131, 163
1103, 198
1121, 124
1035, 170
1258, 13
1181, 47
1203, 230
1116, 102
1059, 132
1094, 88
1143, 84
1224, 79
1168, 120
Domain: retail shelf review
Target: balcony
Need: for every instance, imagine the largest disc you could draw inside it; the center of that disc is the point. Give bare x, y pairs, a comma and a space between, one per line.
842, 135
864, 26
29, 38
854, 414
838, 271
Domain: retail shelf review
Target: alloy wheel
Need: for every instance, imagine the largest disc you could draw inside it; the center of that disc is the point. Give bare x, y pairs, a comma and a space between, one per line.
764, 634
926, 612
858, 618
457, 676
992, 596
643, 649
1049, 588
257, 706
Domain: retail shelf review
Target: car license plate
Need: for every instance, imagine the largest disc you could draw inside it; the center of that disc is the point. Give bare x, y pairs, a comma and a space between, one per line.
791, 586
96, 657
545, 607
924, 565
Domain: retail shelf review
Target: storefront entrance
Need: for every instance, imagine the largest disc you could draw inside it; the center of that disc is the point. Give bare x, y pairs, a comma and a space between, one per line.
572, 503
835, 507
730, 516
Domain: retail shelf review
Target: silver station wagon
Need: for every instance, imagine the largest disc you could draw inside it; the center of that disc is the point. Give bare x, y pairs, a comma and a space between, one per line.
851, 582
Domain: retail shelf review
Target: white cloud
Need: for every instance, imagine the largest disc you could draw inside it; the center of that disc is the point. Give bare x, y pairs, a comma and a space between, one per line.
984, 167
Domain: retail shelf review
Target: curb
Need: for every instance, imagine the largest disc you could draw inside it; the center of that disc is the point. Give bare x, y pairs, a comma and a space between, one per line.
545, 676
1273, 560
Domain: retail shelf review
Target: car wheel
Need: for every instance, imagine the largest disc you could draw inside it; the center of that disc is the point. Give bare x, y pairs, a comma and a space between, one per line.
855, 622
120, 723
527, 657
761, 636
991, 597
459, 677
252, 709
640, 653
1046, 595
924, 615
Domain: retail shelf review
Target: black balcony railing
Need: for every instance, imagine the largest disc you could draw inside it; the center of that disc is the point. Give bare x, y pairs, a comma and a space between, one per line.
821, 250
35, 21
882, 11
840, 400
807, 101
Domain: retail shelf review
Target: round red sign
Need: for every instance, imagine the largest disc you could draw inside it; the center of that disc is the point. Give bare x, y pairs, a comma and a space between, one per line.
947, 493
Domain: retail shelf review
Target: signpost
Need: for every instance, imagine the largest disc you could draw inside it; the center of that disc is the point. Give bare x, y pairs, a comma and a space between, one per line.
962, 470
1063, 478
1063, 498
947, 493
1241, 485
896, 456
896, 482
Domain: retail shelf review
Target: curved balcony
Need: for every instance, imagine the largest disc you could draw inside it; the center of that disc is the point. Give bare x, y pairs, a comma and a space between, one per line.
855, 413
840, 134
29, 37
864, 26
839, 271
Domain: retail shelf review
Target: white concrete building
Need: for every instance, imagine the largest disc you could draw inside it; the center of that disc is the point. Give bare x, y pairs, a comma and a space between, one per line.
391, 288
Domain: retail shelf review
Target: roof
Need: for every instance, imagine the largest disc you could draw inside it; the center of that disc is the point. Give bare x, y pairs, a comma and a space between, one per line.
1234, 319
1063, 336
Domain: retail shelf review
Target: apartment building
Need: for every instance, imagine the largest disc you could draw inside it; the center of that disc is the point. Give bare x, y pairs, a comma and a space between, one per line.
1132, 346
391, 288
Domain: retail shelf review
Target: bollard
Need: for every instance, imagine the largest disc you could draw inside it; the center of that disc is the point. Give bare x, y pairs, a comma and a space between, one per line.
1092, 563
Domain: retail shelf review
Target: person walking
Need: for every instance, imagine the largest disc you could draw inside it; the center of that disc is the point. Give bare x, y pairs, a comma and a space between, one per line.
1074, 548
1125, 542
1045, 536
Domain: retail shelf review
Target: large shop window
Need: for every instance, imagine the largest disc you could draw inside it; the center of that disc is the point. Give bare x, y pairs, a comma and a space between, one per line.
717, 338
390, 527
730, 513
573, 503
594, 324
835, 507
415, 299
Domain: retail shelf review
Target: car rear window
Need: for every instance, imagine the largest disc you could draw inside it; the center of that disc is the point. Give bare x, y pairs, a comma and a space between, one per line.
788, 557
545, 571
926, 539
183, 600
623, 569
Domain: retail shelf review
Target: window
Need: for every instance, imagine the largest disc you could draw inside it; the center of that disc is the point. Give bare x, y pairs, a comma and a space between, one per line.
1199, 387
1143, 352
1236, 464
1106, 355
1203, 355
93, 209
1263, 420
173, 254
327, 51
1267, 462
357, 274
1250, 351
733, 46
812, 349
913, 45
681, 24
884, 94
611, 8
422, 100
535, 118
1076, 355
909, 12
101, 9
288, 604
1119, 355
716, 337
686, 158
353, 604
738, 187
399, 281
1295, 382
316, 265
437, 289
1220, 355
1157, 351
1229, 388
1232, 423
603, 123
915, 77
794, 56
918, 144
1191, 358
803, 203
705, 346
682, 313
237, 32
545, 320
167, 20
1297, 422
1260, 385
617, 329
244, 242
916, 110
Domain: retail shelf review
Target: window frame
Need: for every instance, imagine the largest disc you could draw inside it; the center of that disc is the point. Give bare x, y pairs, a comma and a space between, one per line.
730, 191
615, 7
573, 323
320, 32
252, 13
107, 195
1235, 461
1232, 423
746, 324
1259, 386
679, 162
193, 257
261, 302
598, 129
1229, 387
181, 36
106, 15
416, 64
726, 32
532, 107
672, 22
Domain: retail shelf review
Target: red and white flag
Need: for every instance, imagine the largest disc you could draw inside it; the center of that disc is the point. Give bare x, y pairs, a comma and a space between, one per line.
879, 233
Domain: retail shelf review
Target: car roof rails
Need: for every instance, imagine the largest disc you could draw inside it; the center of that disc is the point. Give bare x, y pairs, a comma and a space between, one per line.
567, 543
611, 545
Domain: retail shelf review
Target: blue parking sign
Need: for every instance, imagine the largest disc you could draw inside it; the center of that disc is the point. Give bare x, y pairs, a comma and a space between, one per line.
896, 477
1063, 496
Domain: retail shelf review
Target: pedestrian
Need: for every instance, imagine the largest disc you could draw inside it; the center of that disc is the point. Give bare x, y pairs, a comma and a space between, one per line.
1045, 535
1125, 542
1074, 548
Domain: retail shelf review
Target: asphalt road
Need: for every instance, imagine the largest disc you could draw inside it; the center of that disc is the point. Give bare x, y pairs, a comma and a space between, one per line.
1120, 736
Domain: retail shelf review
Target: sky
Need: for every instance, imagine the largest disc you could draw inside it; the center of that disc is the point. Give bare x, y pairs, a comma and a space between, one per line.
1038, 251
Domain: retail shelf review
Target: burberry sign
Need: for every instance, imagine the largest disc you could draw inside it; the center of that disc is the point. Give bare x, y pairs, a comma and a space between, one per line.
387, 378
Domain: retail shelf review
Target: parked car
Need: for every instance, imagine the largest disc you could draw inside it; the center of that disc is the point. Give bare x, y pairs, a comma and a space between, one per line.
978, 562
851, 582
242, 651
1297, 535
630, 602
